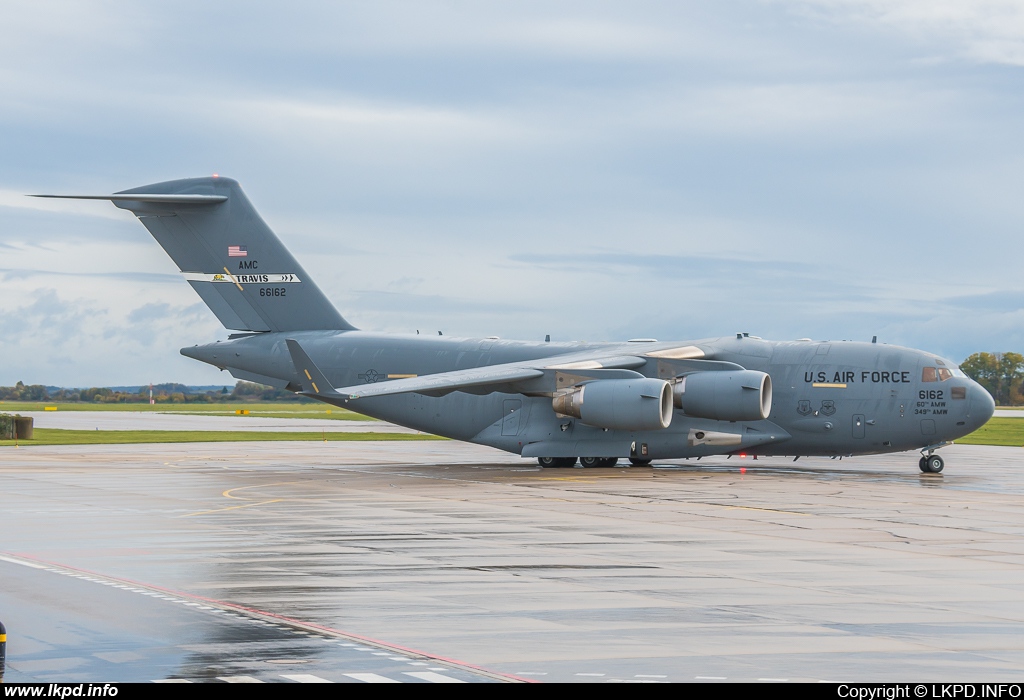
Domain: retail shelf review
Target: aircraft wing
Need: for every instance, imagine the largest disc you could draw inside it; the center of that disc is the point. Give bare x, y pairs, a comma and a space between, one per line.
444, 382
492, 377
539, 376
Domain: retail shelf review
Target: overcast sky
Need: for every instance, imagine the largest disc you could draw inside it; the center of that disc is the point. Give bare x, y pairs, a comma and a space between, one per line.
832, 169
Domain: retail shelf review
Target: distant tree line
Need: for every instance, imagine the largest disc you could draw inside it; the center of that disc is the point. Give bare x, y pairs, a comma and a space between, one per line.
1001, 373
162, 393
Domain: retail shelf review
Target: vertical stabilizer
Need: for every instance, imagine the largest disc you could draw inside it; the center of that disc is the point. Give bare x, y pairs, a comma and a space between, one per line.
229, 255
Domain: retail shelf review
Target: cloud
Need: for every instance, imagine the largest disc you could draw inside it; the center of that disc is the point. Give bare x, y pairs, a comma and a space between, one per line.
589, 170
147, 277
985, 31
68, 207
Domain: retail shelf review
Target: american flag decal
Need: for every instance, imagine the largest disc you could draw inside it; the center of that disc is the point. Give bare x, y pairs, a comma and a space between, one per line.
237, 251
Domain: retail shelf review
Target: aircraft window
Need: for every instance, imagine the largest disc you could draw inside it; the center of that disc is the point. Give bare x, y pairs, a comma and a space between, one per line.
957, 372
928, 375
944, 374
958, 392
939, 362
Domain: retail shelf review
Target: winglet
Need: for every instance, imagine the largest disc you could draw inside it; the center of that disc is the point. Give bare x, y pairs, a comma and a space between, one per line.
313, 381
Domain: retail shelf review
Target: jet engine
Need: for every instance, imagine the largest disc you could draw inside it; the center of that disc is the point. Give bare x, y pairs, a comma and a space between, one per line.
727, 395
619, 404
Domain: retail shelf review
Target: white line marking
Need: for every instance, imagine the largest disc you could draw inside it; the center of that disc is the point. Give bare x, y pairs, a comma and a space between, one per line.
239, 679
22, 563
304, 678
371, 678
710, 678
432, 677
418, 663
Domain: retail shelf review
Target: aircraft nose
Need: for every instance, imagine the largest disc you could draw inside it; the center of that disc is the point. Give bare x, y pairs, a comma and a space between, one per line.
981, 406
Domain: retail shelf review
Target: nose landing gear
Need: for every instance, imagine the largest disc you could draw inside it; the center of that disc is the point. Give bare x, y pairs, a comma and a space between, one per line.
931, 463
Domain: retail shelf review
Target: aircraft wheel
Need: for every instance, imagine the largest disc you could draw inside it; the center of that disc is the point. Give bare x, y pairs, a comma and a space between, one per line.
556, 462
599, 461
935, 464
640, 462
923, 464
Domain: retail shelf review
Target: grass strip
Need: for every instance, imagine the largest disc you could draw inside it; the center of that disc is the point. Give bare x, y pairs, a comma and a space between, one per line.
1008, 432
263, 409
50, 436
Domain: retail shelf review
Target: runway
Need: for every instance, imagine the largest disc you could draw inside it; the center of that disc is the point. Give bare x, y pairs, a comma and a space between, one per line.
144, 420
229, 561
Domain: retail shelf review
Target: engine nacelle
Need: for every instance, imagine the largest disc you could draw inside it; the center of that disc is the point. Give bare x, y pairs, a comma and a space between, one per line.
726, 395
619, 404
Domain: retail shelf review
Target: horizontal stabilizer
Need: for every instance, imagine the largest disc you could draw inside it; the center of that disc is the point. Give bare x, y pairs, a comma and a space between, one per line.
150, 198
312, 380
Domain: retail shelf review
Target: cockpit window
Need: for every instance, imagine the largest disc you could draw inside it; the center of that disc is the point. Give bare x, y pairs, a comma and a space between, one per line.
957, 372
936, 374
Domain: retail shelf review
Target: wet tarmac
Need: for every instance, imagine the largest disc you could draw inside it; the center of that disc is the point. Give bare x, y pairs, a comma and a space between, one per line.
296, 562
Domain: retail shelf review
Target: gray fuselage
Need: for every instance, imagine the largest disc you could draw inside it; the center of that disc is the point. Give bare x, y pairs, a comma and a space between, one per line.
834, 398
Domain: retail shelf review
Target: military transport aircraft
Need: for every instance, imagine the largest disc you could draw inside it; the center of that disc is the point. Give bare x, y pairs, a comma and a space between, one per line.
558, 402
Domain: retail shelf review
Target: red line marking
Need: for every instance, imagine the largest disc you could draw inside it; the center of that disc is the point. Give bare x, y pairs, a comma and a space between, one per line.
284, 618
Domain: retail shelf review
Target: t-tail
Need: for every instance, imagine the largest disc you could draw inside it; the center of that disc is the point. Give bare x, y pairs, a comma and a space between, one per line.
229, 255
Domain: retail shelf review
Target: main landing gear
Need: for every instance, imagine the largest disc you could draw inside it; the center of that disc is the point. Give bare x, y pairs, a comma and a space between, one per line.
556, 462
566, 462
599, 461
